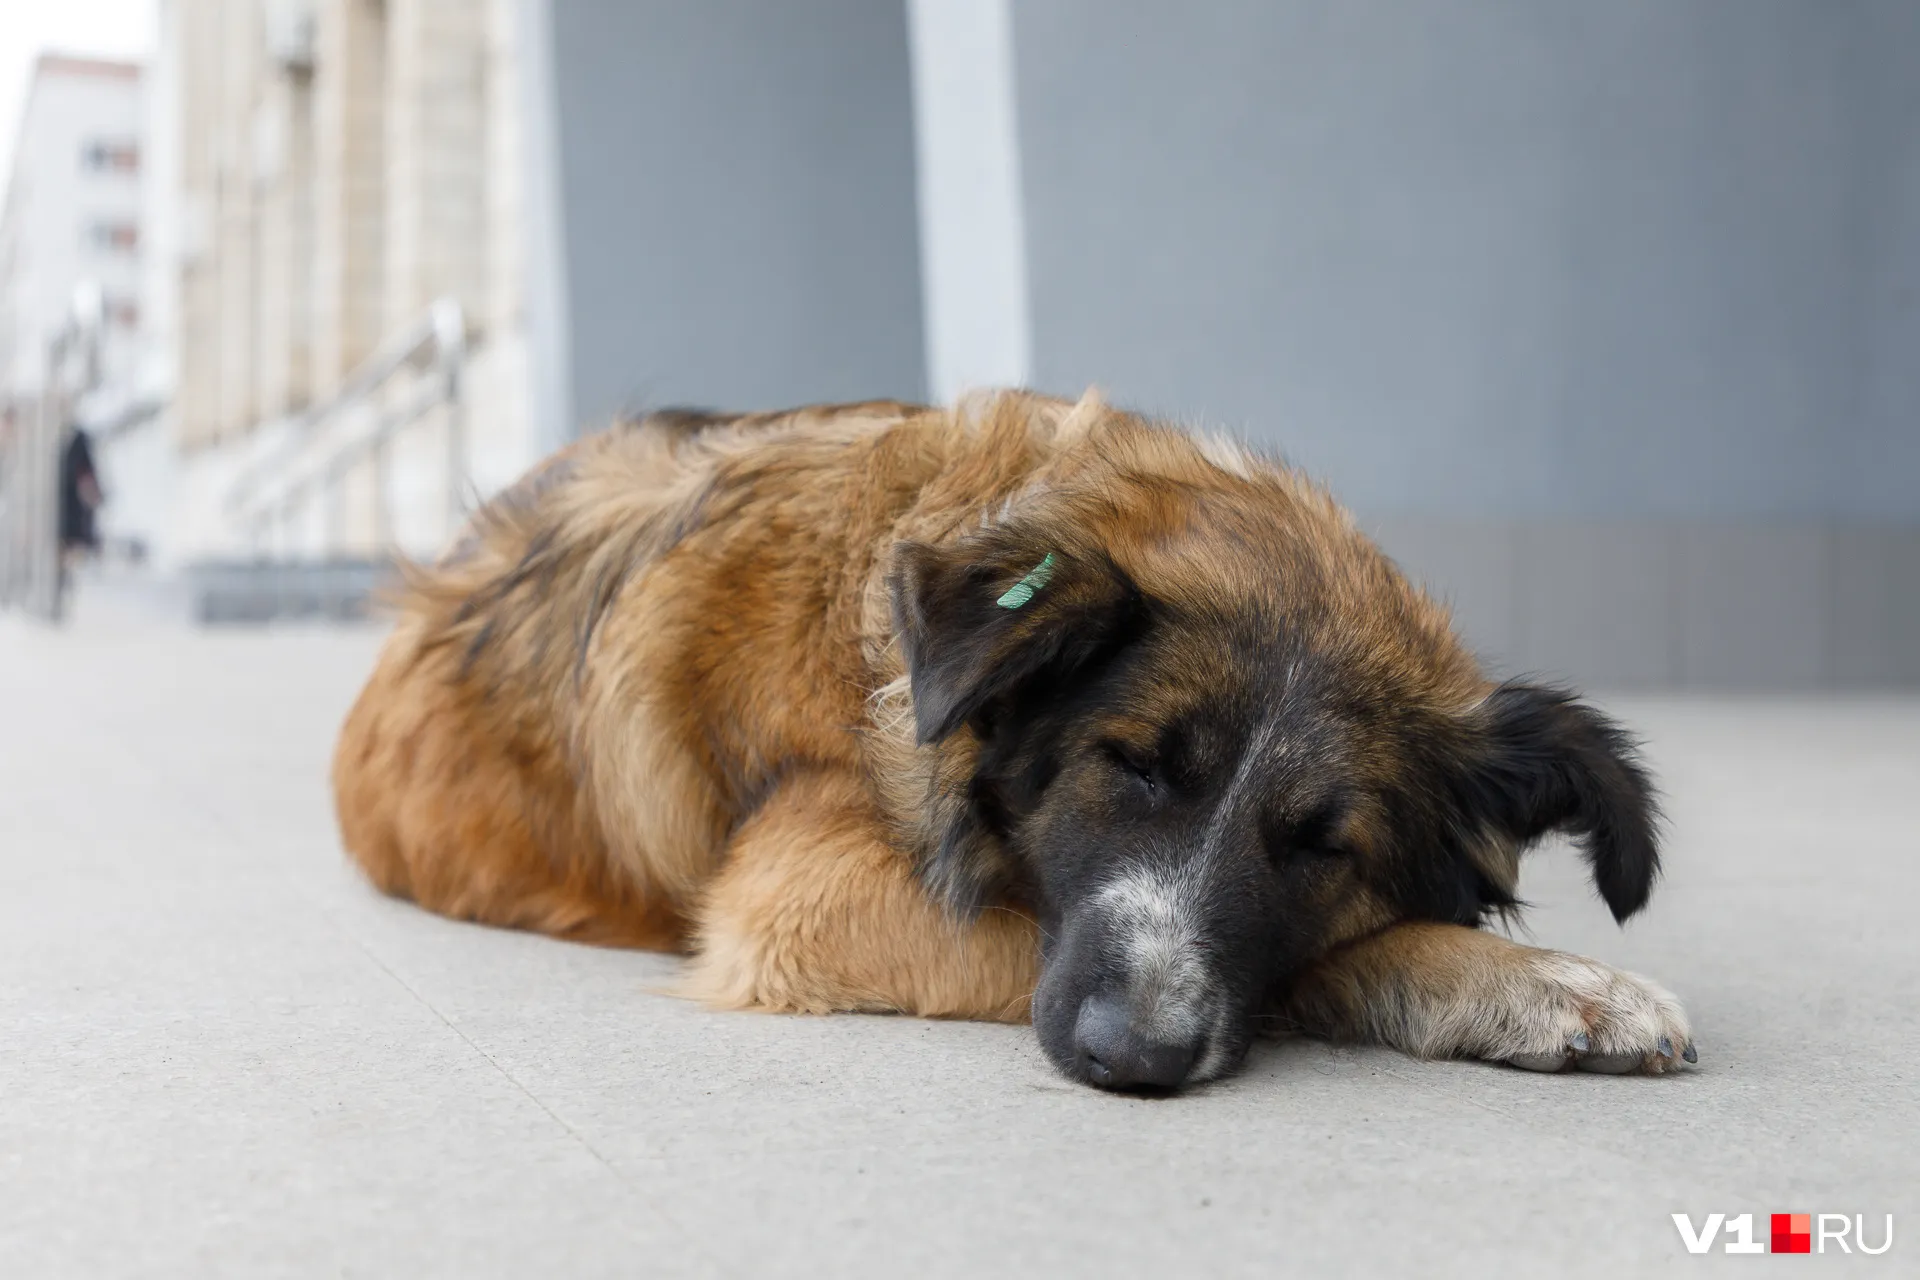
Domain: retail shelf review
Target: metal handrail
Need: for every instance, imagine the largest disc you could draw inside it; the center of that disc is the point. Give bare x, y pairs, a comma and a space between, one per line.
437, 342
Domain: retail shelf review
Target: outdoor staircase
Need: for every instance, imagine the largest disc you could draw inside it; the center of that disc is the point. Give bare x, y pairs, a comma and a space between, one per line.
296, 559
284, 589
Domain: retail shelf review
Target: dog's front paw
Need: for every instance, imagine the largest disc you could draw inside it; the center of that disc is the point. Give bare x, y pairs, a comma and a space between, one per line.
1554, 1011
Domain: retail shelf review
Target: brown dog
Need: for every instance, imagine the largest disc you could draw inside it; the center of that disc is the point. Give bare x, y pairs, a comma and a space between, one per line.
1023, 708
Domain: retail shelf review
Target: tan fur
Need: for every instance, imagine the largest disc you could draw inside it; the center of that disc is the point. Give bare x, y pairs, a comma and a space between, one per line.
654, 697
815, 911
1443, 991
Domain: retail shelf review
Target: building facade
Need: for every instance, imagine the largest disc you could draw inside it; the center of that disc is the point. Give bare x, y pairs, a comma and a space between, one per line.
339, 167
1598, 315
70, 235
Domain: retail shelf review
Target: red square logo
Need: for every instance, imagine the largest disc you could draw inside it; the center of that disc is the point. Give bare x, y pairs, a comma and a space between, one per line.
1793, 1233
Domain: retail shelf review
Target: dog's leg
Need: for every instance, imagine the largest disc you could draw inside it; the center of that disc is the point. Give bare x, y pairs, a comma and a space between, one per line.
1443, 991
814, 911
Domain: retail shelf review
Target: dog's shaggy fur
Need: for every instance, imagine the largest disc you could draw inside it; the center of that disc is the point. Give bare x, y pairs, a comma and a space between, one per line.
761, 688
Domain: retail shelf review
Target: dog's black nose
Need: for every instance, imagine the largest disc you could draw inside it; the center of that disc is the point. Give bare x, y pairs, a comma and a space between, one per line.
1116, 1058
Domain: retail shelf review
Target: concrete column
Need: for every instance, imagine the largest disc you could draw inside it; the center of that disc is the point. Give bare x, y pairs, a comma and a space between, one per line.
542, 224
349, 185
436, 194
235, 216
283, 148
972, 233
502, 166
196, 31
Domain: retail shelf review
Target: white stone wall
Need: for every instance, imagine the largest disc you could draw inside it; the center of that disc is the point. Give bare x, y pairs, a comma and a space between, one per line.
350, 113
436, 131
340, 200
191, 31
283, 176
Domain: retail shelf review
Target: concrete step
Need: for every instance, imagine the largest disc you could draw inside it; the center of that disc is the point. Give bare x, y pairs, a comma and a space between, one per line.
258, 591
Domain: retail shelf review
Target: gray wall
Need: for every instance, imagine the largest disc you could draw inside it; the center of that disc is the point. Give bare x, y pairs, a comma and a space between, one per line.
736, 202
1633, 258
1886, 460
1604, 315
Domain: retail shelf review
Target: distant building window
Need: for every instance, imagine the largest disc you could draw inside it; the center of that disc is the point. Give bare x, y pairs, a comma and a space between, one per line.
114, 237
111, 157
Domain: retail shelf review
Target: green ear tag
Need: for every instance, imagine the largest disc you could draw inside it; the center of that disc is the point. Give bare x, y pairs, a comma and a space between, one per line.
1028, 587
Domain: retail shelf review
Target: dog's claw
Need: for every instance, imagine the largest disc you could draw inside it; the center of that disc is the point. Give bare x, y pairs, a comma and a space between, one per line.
1579, 1042
1689, 1054
1666, 1047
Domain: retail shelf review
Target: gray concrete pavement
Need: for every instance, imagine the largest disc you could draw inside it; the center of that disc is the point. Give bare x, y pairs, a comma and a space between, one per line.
221, 1054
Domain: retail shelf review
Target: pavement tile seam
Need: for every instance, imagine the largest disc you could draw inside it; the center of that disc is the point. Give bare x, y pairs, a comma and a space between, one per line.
639, 1193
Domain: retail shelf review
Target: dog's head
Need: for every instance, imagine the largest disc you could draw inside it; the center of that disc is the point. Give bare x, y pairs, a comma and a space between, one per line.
1205, 733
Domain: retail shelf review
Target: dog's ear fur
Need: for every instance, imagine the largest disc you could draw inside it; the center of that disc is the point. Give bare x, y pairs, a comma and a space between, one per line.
981, 647
981, 618
1548, 762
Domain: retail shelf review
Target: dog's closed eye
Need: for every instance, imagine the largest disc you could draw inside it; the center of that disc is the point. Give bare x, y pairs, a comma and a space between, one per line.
1141, 767
1312, 838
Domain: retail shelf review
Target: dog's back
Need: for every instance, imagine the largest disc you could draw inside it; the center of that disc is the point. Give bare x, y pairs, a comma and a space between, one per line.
615, 596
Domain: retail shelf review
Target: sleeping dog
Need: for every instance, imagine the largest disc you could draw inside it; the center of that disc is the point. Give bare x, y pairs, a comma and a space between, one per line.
1025, 708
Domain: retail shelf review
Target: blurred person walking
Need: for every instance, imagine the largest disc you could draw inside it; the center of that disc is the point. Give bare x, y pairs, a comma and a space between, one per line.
80, 498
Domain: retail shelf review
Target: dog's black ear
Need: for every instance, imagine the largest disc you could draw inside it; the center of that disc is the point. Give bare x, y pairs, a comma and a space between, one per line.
1550, 763
981, 617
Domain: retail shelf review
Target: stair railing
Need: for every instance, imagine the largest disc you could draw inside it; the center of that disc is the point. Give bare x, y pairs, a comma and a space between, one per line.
281, 488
